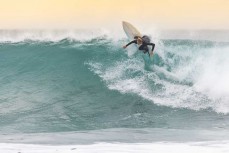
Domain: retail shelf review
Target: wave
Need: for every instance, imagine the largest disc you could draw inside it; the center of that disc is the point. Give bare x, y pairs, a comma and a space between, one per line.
67, 85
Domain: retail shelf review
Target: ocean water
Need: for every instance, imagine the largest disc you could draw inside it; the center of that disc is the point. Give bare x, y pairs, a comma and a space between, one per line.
80, 91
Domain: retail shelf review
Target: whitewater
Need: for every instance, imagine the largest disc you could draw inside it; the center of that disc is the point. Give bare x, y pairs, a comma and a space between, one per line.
80, 91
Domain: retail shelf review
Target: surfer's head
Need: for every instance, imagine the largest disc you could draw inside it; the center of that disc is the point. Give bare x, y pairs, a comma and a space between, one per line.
139, 41
136, 37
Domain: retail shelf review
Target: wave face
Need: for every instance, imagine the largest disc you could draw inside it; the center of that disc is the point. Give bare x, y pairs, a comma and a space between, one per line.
53, 82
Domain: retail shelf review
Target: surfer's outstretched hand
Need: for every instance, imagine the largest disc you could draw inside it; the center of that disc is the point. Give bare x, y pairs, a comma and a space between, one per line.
124, 46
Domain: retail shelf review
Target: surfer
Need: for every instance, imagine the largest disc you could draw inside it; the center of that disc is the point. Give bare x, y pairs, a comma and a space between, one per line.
144, 42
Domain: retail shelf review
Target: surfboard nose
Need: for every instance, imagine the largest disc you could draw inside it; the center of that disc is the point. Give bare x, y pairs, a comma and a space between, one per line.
124, 22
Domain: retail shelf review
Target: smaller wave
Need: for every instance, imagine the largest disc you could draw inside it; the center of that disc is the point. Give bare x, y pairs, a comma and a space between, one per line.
103, 147
15, 36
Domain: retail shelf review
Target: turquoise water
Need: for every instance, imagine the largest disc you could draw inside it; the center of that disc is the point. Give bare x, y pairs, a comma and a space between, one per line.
72, 86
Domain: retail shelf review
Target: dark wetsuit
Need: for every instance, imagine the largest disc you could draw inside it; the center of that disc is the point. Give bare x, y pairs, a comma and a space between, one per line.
144, 46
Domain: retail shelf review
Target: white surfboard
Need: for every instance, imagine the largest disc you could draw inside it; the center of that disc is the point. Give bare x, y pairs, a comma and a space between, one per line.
131, 32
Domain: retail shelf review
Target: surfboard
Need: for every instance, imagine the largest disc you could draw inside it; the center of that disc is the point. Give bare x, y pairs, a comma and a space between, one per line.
131, 32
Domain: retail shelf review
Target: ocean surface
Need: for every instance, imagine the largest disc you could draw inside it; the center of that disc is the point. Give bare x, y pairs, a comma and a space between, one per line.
80, 91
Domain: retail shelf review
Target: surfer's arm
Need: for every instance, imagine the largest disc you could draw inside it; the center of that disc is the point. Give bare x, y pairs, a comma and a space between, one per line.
134, 41
151, 44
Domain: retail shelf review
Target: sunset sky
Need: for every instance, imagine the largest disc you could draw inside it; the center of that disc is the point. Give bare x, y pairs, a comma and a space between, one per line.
92, 14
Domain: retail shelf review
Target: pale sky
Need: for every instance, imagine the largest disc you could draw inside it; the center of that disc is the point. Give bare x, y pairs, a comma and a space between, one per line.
92, 14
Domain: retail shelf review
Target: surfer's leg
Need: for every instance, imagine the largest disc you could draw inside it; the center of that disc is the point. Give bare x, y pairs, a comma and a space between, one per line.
144, 48
141, 47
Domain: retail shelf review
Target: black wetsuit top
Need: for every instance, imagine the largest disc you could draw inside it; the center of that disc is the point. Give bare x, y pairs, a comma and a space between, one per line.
144, 46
